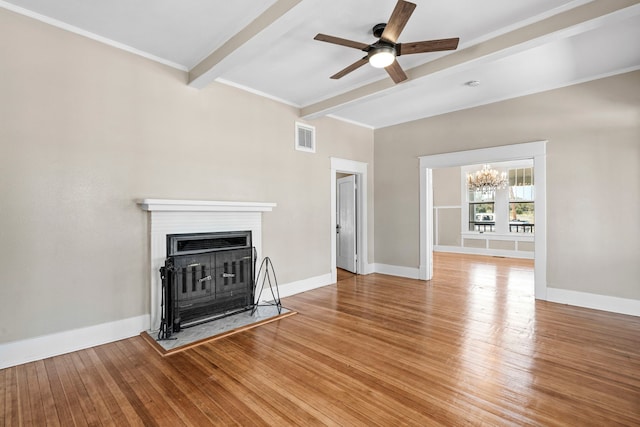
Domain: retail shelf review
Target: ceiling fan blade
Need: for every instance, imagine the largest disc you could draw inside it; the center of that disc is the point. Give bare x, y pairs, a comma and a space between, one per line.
399, 17
426, 46
341, 42
396, 73
350, 68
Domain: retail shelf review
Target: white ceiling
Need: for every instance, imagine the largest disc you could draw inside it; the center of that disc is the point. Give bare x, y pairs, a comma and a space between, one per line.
512, 48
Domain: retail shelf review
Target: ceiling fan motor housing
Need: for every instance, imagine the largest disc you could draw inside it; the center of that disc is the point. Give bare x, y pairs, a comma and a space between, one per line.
378, 29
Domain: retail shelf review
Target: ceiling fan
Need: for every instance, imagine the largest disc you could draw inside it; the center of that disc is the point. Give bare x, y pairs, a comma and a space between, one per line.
383, 53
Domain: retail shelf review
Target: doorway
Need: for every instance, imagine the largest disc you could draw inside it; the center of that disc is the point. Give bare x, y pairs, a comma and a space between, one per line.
346, 223
532, 150
359, 171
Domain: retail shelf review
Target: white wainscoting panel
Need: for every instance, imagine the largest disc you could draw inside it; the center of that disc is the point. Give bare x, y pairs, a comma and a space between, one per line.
483, 251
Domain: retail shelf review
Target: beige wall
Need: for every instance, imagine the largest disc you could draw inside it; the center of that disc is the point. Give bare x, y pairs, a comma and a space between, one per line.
448, 227
446, 192
87, 129
593, 241
446, 187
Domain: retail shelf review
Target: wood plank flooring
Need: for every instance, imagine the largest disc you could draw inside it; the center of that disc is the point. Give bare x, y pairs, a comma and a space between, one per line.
344, 274
471, 347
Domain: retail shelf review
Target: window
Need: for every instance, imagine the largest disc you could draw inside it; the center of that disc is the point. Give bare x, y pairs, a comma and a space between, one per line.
481, 211
505, 210
521, 200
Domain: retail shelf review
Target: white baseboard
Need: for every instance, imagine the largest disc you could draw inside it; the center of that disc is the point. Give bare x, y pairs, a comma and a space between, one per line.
483, 251
369, 268
24, 351
292, 288
595, 301
396, 270
32, 349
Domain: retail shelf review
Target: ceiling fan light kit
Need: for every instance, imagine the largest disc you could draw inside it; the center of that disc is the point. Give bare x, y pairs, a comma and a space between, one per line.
381, 56
383, 53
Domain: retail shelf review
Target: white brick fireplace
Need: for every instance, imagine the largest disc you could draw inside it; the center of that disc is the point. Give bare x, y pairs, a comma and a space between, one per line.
194, 216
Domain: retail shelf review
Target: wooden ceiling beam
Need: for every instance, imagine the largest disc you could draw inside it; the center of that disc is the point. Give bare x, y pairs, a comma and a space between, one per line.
211, 67
568, 23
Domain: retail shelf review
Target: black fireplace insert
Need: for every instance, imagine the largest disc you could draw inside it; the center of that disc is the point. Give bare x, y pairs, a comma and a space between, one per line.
206, 276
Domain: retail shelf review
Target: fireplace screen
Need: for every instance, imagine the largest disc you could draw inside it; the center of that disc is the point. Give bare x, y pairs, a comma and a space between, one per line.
206, 276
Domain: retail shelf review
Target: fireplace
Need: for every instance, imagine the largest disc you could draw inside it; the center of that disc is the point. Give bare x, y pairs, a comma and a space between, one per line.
206, 276
169, 216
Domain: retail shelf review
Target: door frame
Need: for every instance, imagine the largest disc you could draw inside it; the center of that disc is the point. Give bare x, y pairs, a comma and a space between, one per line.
531, 150
359, 169
349, 262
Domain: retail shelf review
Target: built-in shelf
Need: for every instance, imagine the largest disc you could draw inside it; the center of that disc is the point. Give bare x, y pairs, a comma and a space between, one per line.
203, 206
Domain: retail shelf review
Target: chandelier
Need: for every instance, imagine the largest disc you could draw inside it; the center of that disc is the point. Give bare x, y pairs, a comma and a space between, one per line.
487, 180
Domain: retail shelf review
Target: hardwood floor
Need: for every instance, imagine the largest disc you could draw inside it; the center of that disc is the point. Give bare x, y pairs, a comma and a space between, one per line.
471, 347
344, 274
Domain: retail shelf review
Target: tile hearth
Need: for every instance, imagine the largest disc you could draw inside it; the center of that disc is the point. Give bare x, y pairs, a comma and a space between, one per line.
216, 329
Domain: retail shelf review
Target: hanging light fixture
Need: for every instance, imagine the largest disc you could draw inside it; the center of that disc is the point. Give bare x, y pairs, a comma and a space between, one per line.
487, 180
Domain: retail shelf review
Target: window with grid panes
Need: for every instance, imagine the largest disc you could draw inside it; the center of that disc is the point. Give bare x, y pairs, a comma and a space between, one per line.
521, 200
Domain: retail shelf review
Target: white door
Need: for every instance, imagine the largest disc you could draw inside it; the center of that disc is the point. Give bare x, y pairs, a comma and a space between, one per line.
346, 224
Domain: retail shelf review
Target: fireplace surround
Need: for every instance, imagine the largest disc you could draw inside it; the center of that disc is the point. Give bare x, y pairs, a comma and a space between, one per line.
169, 216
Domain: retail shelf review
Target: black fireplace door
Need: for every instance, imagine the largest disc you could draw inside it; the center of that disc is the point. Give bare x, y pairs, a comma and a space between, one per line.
234, 278
193, 289
207, 285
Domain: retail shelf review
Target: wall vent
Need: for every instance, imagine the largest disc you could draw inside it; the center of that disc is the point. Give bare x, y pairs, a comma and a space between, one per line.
305, 138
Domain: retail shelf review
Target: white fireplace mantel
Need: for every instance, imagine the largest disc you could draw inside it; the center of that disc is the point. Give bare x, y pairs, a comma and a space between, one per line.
203, 206
167, 216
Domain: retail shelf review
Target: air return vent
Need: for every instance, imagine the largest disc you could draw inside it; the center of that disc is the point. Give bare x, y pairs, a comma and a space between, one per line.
305, 138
